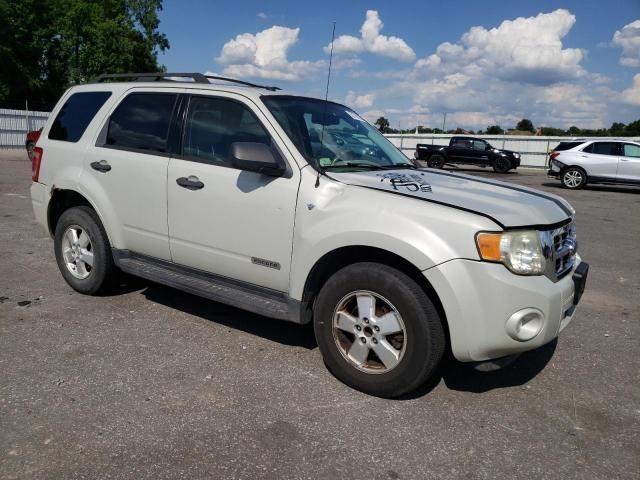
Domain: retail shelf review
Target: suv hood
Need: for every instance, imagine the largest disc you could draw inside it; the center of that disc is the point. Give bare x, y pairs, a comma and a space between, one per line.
506, 204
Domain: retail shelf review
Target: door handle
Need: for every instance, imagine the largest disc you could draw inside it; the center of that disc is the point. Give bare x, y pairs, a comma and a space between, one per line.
624, 159
101, 166
584, 156
190, 183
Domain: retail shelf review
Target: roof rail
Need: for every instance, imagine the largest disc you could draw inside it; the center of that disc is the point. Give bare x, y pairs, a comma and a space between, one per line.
169, 77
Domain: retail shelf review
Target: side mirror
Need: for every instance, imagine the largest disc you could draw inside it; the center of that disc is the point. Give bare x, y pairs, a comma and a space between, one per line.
256, 157
488, 147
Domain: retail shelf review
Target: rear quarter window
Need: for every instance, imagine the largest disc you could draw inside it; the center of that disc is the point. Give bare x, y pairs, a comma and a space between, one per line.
566, 146
76, 114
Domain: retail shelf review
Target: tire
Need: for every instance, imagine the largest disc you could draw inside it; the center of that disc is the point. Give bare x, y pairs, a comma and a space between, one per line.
30, 146
83, 224
435, 161
414, 354
573, 178
501, 165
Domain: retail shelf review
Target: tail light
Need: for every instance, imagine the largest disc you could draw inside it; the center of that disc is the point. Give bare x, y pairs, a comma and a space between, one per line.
36, 160
554, 155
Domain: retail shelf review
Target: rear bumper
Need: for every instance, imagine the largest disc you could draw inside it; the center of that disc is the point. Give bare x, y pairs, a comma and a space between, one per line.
481, 301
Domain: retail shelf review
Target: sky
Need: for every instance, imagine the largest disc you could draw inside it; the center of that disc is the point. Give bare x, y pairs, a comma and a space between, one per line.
482, 63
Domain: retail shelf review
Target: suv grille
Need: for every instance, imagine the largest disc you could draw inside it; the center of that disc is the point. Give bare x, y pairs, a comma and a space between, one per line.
560, 247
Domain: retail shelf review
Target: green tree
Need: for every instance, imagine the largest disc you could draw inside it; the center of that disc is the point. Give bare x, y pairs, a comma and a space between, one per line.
383, 124
495, 130
574, 131
47, 46
633, 129
551, 132
526, 125
617, 129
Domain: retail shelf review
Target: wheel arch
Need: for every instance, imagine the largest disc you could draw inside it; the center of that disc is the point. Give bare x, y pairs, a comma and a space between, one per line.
63, 199
341, 257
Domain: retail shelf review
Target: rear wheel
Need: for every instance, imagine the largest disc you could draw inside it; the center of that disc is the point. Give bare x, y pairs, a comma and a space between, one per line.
436, 161
501, 165
573, 178
83, 252
377, 330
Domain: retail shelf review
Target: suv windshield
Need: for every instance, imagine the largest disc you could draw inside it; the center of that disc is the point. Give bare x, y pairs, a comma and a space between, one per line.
347, 142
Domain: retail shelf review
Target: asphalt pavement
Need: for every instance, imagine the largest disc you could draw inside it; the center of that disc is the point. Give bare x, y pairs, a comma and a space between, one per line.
152, 383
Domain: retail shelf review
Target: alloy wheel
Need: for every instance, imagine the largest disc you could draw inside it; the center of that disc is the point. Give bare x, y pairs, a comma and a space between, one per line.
77, 252
369, 332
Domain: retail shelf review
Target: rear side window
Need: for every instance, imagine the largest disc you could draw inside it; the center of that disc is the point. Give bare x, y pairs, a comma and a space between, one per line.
566, 146
141, 122
603, 148
76, 114
214, 124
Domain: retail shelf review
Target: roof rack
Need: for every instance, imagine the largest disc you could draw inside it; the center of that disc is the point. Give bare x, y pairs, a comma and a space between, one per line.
169, 77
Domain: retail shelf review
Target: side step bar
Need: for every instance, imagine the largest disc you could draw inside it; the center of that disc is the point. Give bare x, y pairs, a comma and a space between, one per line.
245, 296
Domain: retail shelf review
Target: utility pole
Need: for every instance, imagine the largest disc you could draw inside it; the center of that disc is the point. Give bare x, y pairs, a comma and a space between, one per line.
444, 121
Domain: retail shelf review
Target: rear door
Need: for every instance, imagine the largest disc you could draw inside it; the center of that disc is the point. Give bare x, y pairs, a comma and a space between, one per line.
629, 166
237, 224
459, 148
130, 162
600, 159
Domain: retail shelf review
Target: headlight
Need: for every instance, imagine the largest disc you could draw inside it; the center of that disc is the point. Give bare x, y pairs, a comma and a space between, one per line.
516, 155
519, 250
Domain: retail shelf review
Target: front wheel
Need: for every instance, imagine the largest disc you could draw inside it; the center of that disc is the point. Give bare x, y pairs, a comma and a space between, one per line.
501, 165
377, 330
573, 178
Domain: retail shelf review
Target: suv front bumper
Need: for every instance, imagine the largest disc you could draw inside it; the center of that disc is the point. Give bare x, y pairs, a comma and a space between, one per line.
481, 301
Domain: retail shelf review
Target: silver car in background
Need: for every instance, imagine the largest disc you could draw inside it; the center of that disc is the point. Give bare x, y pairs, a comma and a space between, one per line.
578, 162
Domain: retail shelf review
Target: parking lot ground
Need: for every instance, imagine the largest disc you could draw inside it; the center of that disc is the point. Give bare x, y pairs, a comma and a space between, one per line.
154, 383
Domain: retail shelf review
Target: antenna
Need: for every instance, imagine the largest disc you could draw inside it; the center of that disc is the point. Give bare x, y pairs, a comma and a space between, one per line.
326, 101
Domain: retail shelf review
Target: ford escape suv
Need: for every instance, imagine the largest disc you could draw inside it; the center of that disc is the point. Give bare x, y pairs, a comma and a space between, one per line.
298, 209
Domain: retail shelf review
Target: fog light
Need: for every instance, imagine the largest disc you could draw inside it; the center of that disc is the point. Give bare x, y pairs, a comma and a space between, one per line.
525, 324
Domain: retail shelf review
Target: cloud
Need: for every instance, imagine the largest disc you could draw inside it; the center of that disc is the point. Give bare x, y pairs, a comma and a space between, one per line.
527, 50
631, 96
263, 15
372, 41
264, 55
629, 40
359, 101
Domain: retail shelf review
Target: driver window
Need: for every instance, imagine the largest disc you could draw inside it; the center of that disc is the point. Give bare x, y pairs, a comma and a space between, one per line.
214, 124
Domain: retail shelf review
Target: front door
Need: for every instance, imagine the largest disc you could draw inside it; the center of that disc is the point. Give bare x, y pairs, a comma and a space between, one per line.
234, 223
601, 159
629, 165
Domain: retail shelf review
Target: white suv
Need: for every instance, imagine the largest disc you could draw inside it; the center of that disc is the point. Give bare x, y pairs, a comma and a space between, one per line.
269, 202
578, 162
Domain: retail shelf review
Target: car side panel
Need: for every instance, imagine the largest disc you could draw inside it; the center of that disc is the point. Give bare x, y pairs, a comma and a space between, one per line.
604, 166
336, 215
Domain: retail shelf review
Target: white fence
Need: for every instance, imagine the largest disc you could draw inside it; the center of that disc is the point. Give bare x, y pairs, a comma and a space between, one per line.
534, 151
14, 125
